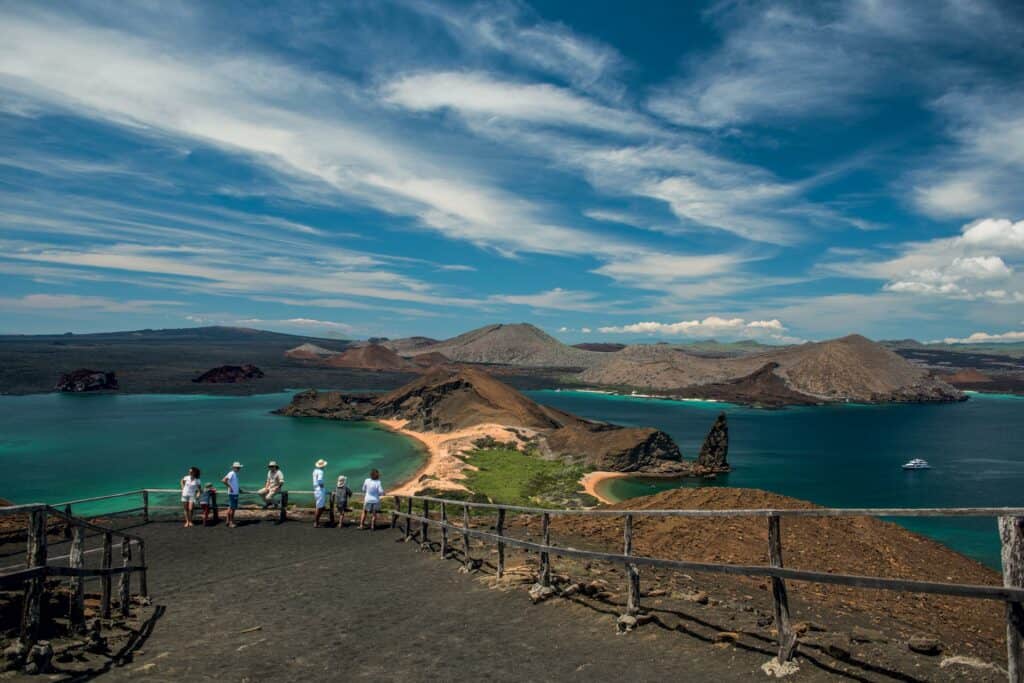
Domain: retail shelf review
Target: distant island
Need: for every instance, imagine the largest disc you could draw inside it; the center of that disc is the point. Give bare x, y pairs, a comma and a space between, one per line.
848, 369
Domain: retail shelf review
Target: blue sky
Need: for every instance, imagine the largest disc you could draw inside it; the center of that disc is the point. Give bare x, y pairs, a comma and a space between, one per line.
776, 171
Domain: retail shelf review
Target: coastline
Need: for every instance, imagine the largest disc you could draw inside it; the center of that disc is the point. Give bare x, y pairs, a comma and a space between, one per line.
591, 480
443, 469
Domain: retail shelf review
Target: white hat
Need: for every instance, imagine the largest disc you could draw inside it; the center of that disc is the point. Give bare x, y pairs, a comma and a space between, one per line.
236, 464
272, 463
321, 463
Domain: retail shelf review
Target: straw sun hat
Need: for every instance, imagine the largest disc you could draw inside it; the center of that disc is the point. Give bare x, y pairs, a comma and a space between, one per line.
321, 463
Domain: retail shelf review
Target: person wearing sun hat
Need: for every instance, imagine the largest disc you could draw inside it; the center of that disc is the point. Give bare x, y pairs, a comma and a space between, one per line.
319, 492
274, 484
231, 481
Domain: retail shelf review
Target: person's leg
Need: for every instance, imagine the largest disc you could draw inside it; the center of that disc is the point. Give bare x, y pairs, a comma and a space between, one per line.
341, 518
373, 519
316, 520
184, 504
362, 518
206, 515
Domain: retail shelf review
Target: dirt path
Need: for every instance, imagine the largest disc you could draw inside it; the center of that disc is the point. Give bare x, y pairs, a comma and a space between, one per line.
353, 603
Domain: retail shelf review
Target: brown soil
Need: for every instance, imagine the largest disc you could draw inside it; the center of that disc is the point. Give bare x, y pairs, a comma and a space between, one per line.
966, 376
855, 545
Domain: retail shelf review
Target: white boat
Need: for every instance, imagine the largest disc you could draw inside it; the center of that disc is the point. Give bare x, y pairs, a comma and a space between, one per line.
917, 464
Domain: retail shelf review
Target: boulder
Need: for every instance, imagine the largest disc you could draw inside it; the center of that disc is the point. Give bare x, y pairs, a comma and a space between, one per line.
714, 453
229, 374
83, 379
925, 645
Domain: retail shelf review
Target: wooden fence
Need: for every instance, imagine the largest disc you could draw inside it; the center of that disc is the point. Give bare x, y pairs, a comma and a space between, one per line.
1010, 525
38, 567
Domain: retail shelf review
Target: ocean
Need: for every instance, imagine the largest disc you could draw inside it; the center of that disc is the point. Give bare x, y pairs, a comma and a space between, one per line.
57, 447
847, 455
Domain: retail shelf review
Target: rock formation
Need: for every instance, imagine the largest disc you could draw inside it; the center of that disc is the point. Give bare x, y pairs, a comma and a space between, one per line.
520, 345
714, 452
371, 357
229, 374
82, 380
447, 401
310, 352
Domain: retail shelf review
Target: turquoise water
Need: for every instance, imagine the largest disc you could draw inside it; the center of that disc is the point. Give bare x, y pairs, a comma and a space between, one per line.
57, 447
848, 455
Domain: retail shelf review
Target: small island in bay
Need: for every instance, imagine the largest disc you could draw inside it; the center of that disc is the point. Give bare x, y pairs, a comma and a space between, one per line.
83, 380
229, 374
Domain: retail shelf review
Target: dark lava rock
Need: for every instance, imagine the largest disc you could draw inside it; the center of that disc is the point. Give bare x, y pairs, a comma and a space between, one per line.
714, 452
229, 374
87, 380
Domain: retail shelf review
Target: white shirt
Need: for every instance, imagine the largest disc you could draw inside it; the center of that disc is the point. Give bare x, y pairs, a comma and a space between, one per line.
232, 478
275, 480
373, 490
189, 486
318, 478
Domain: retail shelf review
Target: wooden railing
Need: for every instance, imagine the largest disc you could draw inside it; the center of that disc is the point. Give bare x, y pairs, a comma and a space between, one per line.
38, 567
1010, 525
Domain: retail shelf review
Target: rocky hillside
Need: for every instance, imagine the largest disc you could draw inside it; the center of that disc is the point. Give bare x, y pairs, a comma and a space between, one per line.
447, 401
371, 357
518, 344
310, 352
229, 374
852, 368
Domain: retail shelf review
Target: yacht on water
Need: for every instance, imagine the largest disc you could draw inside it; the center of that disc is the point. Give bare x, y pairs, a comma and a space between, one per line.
917, 464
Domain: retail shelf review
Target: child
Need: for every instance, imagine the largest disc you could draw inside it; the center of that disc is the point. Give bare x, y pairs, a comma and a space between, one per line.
341, 495
205, 500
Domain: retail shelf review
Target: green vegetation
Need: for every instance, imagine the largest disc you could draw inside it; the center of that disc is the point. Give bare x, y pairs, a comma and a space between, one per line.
504, 475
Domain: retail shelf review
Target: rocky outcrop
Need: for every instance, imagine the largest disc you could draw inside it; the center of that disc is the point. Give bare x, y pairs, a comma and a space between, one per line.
82, 380
520, 344
229, 374
714, 453
447, 401
762, 388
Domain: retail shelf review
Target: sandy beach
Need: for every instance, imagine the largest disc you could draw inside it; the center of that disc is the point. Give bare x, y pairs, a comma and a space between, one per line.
592, 479
444, 469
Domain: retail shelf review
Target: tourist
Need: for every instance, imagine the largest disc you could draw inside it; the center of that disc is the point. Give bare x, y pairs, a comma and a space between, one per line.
371, 501
190, 486
206, 502
319, 493
341, 496
231, 481
275, 482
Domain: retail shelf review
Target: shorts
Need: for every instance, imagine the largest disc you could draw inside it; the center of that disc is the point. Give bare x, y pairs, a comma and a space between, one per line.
371, 507
233, 501
321, 497
187, 499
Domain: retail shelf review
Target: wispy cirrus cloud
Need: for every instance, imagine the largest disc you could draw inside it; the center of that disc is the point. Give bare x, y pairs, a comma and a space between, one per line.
76, 302
710, 326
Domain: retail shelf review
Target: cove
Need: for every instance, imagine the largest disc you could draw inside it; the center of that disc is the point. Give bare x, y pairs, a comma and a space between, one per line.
847, 455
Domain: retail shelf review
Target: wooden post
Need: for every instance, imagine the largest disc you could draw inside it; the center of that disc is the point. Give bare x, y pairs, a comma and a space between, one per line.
780, 599
68, 525
444, 531
330, 504
284, 508
394, 513
1011, 533
500, 529
143, 578
108, 556
32, 615
424, 534
408, 516
125, 584
466, 562
632, 571
545, 557
213, 507
145, 506
76, 560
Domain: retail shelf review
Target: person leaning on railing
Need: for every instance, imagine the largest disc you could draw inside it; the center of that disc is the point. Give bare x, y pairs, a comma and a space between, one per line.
274, 484
234, 489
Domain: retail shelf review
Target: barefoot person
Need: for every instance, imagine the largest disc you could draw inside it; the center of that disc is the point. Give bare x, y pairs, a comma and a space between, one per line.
275, 482
231, 481
341, 495
190, 487
371, 501
319, 492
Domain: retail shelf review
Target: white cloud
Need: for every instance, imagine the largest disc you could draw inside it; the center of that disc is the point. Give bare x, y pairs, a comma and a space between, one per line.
709, 326
983, 337
75, 302
301, 323
557, 299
